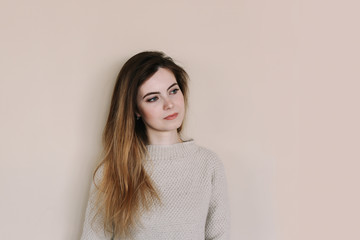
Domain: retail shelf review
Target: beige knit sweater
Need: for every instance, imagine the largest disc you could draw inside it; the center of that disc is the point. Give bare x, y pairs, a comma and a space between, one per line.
192, 185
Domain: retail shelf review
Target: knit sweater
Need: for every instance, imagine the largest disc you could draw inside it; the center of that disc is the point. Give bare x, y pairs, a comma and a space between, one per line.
192, 185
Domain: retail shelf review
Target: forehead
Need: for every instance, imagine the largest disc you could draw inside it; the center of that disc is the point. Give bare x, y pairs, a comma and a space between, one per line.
160, 81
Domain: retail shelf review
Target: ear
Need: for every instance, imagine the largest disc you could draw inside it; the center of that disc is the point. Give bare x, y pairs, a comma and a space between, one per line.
137, 114
136, 111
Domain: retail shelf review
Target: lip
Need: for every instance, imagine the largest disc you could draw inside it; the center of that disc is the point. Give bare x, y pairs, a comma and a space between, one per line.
172, 116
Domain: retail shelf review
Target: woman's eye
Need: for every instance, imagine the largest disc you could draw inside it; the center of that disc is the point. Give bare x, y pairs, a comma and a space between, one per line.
174, 91
152, 99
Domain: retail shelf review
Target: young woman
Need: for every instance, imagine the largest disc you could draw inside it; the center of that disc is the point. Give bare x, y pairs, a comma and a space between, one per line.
151, 183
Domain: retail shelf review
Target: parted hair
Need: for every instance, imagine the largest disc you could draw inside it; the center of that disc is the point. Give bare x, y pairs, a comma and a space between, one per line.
125, 186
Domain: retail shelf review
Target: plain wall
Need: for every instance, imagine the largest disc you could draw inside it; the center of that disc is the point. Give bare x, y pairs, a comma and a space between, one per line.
274, 91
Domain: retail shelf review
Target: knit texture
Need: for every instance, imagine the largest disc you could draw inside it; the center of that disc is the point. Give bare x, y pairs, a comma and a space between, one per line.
193, 188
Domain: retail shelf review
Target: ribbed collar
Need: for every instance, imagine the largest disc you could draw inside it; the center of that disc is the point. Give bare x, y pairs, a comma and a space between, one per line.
173, 151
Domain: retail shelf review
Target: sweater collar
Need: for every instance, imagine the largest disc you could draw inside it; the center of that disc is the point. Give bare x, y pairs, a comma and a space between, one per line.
173, 151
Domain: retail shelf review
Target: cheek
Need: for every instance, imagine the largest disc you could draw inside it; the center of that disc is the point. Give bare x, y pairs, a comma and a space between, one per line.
149, 115
149, 112
180, 101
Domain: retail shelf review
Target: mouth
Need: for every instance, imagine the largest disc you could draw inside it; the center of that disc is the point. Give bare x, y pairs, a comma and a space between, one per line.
171, 117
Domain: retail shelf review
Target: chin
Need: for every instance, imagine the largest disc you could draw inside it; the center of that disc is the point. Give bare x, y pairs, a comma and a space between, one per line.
166, 125
172, 126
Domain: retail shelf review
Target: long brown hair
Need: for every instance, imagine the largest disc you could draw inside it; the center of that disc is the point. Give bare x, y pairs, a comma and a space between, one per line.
125, 186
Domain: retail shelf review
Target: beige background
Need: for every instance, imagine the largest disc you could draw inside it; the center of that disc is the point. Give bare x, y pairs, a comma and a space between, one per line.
274, 91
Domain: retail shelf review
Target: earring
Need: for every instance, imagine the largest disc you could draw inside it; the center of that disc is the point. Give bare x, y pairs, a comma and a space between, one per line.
137, 117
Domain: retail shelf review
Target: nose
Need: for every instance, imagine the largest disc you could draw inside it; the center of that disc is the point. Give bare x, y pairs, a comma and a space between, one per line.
168, 104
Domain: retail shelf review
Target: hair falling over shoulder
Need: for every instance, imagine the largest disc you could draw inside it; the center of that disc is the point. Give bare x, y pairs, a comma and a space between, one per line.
125, 187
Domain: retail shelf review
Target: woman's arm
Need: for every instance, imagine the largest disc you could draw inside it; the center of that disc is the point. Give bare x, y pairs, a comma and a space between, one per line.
93, 230
218, 219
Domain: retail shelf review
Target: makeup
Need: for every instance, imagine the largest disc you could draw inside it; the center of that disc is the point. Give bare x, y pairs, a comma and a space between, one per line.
171, 117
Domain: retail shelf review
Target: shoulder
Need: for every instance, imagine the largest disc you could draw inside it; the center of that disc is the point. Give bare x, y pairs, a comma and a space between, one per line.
214, 165
211, 157
206, 153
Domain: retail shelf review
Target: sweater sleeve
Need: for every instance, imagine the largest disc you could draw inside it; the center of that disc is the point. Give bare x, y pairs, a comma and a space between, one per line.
217, 225
93, 230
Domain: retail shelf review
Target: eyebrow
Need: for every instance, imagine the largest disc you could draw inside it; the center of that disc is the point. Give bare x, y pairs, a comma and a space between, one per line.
159, 92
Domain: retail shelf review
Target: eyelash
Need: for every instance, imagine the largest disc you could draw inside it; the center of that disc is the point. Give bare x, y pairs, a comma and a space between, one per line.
152, 99
174, 91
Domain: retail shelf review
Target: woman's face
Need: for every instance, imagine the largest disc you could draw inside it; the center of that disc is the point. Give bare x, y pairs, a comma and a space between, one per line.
160, 102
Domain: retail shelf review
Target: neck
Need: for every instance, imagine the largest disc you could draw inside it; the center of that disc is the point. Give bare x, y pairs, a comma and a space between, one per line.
163, 138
